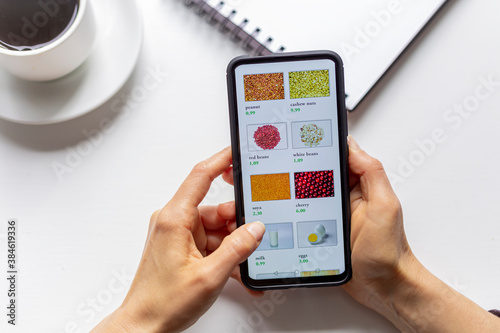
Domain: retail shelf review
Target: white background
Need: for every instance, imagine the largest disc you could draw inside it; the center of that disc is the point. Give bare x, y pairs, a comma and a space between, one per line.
79, 233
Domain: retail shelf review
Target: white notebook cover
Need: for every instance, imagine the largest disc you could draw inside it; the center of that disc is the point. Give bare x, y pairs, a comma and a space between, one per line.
369, 35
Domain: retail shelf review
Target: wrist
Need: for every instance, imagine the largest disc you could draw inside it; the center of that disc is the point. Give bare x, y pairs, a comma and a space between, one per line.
115, 322
410, 295
130, 319
420, 302
401, 297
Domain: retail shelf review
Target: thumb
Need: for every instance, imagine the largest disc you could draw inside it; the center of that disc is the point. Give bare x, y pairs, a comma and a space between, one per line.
235, 249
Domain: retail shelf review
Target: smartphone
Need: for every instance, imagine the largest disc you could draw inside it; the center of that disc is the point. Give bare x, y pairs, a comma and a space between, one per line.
289, 143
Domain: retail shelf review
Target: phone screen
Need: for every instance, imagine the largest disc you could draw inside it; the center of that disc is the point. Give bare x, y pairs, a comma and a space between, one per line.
290, 168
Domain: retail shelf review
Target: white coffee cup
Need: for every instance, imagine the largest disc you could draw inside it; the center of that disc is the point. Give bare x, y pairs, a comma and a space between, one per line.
59, 57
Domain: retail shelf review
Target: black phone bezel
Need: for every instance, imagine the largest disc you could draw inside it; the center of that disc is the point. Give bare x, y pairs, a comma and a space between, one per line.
332, 280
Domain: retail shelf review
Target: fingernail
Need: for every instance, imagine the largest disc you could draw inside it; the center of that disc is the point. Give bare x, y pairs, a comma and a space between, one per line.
353, 145
257, 230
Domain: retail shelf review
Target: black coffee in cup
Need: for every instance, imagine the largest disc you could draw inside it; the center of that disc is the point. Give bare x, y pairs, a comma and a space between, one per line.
32, 24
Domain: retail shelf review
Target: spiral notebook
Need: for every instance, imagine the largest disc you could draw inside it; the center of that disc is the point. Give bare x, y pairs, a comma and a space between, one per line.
369, 35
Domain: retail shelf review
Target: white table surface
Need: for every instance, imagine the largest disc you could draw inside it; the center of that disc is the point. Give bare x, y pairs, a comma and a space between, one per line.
79, 232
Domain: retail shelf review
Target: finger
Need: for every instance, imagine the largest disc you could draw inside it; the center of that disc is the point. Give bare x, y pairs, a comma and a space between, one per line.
217, 217
356, 197
353, 146
227, 211
235, 249
370, 172
353, 179
228, 176
195, 187
200, 238
255, 293
231, 226
237, 276
211, 219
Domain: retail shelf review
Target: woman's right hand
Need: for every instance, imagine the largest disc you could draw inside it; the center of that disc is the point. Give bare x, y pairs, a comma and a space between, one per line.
378, 242
387, 277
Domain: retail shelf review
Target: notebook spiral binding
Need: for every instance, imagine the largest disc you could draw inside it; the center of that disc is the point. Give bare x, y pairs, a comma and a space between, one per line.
251, 39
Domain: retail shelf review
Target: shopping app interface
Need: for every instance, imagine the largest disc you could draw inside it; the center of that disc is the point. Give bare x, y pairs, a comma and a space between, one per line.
289, 142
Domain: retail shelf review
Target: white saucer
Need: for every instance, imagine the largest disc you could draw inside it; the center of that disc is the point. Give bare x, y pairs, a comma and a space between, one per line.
107, 69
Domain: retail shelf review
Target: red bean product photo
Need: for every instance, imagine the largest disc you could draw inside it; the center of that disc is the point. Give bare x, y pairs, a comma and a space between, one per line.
314, 184
267, 137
